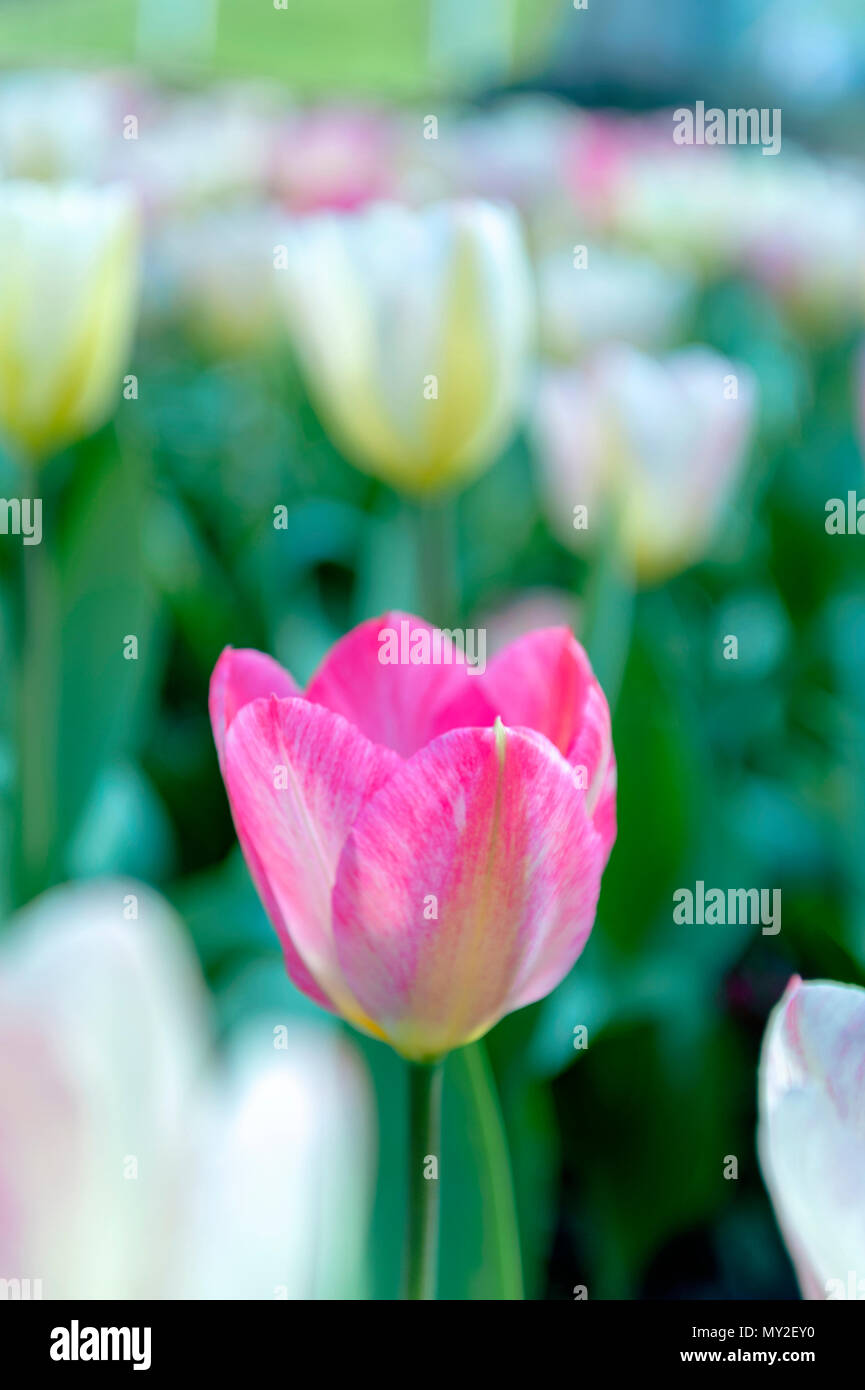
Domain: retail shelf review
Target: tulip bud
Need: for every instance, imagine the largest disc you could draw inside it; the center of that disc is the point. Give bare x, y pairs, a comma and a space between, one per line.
68, 286
812, 1133
413, 330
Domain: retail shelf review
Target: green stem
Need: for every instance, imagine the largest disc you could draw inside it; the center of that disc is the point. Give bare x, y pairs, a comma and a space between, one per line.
425, 1100
491, 1133
37, 717
608, 611
438, 561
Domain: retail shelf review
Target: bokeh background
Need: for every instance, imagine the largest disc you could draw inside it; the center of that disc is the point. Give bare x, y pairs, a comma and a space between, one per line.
740, 773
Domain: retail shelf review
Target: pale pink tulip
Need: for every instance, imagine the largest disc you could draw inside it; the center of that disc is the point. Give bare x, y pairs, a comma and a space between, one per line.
812, 1133
659, 444
428, 841
338, 157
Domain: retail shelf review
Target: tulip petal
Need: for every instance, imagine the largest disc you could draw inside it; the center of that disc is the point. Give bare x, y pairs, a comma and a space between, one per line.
297, 775
467, 887
544, 681
812, 1131
385, 303
68, 291
103, 1036
283, 1172
238, 677
401, 704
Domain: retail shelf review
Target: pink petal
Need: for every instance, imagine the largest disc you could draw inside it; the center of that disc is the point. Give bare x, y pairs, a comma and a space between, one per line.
812, 1132
297, 776
403, 705
492, 823
544, 681
238, 677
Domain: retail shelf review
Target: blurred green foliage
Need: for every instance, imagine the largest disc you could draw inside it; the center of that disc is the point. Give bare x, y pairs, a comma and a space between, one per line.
383, 46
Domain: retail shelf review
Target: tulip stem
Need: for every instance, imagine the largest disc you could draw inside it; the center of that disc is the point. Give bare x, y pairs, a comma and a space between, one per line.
425, 1104
37, 715
438, 560
608, 611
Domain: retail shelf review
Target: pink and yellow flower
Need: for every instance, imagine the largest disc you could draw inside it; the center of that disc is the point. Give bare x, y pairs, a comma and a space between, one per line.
428, 839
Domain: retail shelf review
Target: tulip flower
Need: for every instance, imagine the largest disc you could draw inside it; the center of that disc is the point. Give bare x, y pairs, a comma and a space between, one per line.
68, 288
617, 298
412, 329
512, 152
812, 1133
216, 268
686, 206
661, 444
335, 157
804, 242
202, 149
131, 1164
428, 841
59, 125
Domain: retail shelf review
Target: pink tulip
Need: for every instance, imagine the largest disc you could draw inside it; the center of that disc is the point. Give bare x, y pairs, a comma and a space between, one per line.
812, 1133
338, 157
428, 840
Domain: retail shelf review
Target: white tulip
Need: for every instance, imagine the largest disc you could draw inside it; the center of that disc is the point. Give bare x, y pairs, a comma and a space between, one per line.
69, 273
812, 1133
413, 330
130, 1166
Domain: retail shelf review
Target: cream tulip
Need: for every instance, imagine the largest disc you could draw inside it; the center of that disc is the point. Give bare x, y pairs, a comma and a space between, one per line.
68, 290
413, 331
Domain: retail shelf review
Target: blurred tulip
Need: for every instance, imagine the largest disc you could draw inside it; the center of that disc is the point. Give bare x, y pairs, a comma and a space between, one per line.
204, 149
600, 151
660, 444
686, 205
58, 125
509, 153
615, 298
129, 1168
812, 1133
335, 157
520, 613
425, 871
413, 330
803, 240
68, 289
217, 269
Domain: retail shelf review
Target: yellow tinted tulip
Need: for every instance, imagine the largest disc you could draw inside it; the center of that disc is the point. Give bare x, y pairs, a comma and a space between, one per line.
413, 330
68, 287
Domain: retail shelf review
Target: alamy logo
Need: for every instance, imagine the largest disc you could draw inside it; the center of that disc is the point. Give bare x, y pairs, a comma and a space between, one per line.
20, 1289
76, 1343
22, 516
714, 907
423, 646
854, 1288
846, 520
735, 127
